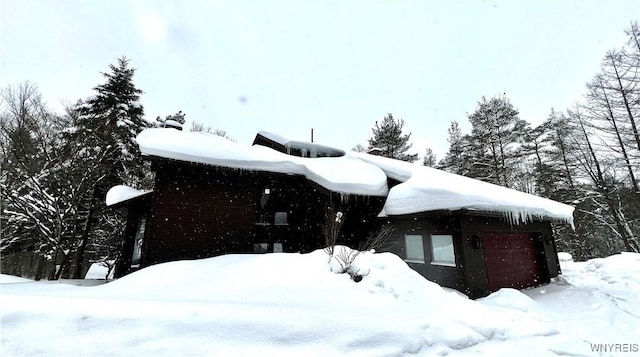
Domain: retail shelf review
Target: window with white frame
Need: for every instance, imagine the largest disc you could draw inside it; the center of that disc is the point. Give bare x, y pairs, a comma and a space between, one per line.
442, 250
414, 248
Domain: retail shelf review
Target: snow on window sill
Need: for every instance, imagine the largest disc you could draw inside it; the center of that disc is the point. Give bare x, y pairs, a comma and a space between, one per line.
414, 261
444, 264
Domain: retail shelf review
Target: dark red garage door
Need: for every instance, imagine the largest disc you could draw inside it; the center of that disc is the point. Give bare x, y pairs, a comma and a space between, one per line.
511, 260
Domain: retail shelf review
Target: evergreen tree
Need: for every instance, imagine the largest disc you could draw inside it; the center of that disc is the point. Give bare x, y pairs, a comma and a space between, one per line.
105, 127
496, 137
111, 120
557, 170
388, 137
429, 158
454, 160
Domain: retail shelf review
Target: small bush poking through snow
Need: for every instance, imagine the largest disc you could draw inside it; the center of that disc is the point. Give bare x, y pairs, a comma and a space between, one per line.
341, 258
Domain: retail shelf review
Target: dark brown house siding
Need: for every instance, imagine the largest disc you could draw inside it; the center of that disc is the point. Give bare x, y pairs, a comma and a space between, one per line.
198, 211
135, 209
448, 276
483, 263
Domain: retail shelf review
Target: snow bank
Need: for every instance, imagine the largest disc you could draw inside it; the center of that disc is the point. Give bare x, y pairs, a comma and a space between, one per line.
10, 279
564, 257
99, 271
289, 304
427, 189
121, 193
274, 304
341, 174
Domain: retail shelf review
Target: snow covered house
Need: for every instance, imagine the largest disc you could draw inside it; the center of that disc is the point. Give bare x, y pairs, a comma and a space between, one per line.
213, 196
467, 234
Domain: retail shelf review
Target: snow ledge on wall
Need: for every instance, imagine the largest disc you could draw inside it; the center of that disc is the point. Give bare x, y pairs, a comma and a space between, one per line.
121, 193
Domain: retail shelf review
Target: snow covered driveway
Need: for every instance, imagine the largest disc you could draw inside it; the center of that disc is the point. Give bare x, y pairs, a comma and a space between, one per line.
292, 304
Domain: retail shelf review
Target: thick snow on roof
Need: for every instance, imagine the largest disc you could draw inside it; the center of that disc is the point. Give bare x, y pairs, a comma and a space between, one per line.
121, 193
345, 174
427, 189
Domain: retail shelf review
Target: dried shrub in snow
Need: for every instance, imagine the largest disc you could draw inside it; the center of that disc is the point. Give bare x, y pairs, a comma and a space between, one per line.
331, 229
341, 258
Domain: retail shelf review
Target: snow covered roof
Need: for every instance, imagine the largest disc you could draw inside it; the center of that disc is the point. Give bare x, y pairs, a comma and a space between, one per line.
426, 189
295, 148
344, 174
121, 193
422, 189
172, 124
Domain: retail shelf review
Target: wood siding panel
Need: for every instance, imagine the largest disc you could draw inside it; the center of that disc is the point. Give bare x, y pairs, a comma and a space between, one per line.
448, 276
511, 260
475, 256
470, 274
200, 213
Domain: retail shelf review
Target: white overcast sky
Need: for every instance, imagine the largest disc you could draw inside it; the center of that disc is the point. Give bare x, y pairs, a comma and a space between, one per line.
335, 66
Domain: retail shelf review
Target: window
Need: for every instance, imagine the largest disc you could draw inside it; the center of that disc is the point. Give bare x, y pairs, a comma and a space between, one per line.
442, 249
260, 247
414, 248
280, 218
277, 248
137, 242
263, 212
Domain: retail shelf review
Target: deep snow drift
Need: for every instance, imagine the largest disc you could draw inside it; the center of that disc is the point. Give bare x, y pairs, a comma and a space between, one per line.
292, 304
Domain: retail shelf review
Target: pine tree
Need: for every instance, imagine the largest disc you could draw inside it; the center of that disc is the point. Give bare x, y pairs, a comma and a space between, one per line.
111, 120
454, 160
388, 137
558, 148
496, 136
429, 158
105, 128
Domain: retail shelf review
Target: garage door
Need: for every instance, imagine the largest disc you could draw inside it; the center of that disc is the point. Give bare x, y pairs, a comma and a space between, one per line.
511, 260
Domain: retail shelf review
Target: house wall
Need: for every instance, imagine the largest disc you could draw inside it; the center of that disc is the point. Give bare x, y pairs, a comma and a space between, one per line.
134, 210
448, 276
198, 212
304, 207
474, 256
470, 273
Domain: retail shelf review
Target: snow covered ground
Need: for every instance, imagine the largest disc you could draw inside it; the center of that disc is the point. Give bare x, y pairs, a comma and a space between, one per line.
293, 305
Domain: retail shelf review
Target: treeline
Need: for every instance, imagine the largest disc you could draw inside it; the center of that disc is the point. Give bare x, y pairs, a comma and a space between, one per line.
56, 170
587, 156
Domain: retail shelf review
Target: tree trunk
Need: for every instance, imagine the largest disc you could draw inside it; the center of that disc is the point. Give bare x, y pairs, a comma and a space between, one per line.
613, 206
627, 106
41, 262
623, 150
